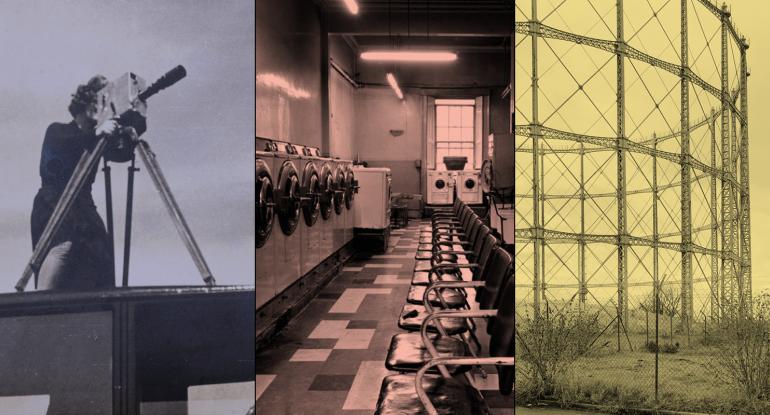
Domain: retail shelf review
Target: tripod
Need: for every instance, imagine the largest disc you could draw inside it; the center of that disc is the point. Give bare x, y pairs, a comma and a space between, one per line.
86, 164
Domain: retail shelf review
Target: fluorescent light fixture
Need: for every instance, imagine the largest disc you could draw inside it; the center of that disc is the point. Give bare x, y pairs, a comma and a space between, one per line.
394, 85
352, 6
441, 101
408, 56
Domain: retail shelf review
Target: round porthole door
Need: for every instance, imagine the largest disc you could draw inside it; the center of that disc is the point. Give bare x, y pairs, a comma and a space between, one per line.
339, 190
265, 203
487, 176
327, 191
288, 195
311, 194
350, 189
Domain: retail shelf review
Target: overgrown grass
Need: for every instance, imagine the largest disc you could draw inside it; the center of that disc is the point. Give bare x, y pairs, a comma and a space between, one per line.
725, 370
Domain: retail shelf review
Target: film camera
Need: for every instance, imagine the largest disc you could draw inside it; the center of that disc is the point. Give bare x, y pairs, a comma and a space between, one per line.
124, 100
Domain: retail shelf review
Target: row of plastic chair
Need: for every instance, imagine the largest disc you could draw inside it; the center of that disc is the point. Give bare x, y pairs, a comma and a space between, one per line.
458, 263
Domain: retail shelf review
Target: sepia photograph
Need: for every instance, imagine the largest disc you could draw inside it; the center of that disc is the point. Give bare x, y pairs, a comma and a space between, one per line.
126, 207
639, 286
384, 207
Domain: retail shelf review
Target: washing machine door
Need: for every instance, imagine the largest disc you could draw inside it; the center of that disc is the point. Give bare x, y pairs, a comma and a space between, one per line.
350, 188
440, 184
265, 203
327, 191
469, 183
288, 195
311, 194
339, 190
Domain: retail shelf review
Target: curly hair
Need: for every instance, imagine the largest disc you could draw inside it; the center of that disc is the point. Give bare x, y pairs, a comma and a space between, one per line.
86, 94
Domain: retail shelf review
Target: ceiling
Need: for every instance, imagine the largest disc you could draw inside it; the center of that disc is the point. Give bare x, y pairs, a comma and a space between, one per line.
468, 26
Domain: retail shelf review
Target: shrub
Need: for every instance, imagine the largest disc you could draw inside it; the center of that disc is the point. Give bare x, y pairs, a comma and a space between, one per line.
670, 348
744, 357
652, 347
550, 342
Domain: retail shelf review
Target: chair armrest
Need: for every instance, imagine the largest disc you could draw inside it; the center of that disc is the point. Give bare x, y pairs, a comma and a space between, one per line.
448, 243
439, 252
446, 219
439, 267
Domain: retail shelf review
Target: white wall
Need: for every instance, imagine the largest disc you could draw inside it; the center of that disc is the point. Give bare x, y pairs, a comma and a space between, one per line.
342, 113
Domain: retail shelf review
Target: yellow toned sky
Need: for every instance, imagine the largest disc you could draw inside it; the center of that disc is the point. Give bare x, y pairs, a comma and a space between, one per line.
750, 16
577, 93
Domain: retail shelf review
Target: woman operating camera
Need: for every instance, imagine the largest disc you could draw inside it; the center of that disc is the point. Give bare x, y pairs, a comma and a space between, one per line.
81, 256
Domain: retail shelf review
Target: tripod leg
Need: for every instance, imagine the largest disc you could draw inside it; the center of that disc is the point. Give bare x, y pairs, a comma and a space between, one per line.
173, 209
108, 205
129, 214
88, 161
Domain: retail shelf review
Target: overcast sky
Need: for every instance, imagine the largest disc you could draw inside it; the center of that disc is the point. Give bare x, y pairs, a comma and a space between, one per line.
652, 104
201, 129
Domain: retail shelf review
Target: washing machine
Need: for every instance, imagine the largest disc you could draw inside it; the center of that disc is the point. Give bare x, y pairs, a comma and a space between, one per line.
468, 185
327, 200
339, 214
264, 229
310, 193
441, 185
288, 239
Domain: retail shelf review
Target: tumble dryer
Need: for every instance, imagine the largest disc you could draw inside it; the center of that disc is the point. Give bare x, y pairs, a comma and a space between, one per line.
264, 231
288, 210
468, 185
339, 214
310, 192
351, 188
440, 185
325, 222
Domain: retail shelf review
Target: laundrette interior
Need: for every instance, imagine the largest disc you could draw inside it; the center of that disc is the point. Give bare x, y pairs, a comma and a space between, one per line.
373, 118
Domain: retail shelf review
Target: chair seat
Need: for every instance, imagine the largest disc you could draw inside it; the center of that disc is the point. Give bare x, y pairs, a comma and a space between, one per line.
421, 277
412, 316
425, 265
398, 395
429, 255
454, 298
407, 353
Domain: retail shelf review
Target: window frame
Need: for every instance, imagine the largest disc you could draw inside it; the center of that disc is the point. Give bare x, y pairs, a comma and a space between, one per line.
463, 141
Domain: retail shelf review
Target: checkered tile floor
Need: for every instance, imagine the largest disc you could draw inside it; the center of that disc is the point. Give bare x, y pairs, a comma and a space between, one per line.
330, 359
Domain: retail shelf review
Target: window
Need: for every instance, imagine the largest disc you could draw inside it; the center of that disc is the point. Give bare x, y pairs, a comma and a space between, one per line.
455, 130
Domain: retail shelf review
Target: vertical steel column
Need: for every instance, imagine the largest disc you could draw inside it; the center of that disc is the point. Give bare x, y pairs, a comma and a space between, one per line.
538, 232
737, 283
582, 242
621, 190
541, 185
655, 276
745, 218
715, 308
686, 242
655, 241
728, 276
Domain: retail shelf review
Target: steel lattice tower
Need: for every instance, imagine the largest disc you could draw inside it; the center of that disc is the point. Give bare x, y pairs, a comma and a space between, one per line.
605, 211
